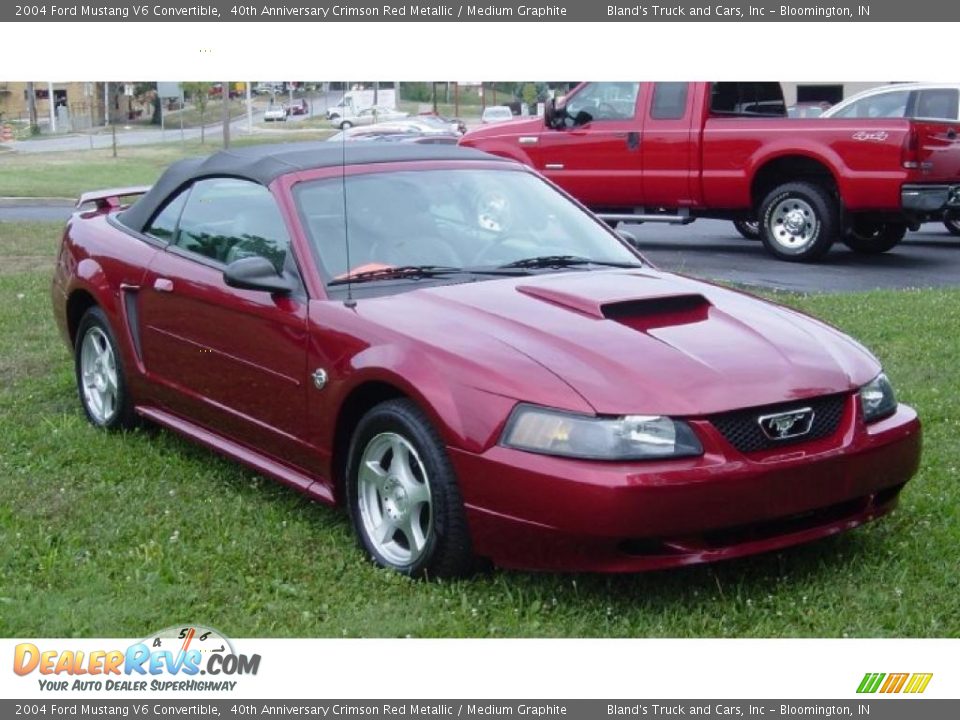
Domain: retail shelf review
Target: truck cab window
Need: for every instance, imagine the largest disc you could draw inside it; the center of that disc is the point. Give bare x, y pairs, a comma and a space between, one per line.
605, 101
747, 99
669, 100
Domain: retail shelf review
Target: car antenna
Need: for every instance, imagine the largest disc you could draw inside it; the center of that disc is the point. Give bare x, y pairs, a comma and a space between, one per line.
349, 302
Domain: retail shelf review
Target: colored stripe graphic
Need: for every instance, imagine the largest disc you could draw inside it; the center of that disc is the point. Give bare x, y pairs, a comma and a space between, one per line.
870, 682
918, 683
894, 682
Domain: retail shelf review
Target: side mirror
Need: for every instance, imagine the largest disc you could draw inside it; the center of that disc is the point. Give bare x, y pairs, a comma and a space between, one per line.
630, 238
550, 112
256, 273
555, 114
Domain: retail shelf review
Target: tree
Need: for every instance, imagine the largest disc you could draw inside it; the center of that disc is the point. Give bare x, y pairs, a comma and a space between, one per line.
32, 108
529, 95
199, 93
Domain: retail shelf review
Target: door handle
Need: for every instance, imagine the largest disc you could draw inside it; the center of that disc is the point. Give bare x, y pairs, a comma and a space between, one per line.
633, 140
163, 285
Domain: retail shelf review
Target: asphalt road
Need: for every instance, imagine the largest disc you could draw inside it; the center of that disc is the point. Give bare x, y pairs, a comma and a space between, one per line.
712, 249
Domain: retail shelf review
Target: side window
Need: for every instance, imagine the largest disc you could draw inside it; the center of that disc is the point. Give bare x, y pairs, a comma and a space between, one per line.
939, 103
226, 219
747, 99
164, 224
884, 105
605, 101
669, 100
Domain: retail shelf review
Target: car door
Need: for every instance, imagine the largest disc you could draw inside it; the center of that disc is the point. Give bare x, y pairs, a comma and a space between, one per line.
228, 359
598, 161
667, 147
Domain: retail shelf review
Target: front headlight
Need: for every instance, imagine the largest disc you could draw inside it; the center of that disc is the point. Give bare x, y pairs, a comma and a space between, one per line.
633, 437
878, 399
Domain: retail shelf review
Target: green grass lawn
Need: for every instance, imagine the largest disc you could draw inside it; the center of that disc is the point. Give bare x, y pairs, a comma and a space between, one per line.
67, 174
119, 535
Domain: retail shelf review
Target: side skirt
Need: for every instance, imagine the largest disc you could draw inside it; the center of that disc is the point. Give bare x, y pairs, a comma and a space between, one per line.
241, 453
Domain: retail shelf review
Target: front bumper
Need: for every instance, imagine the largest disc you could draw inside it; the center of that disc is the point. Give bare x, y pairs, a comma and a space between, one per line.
538, 512
930, 198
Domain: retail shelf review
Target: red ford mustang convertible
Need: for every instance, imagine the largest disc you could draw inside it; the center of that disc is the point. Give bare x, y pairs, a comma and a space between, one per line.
472, 363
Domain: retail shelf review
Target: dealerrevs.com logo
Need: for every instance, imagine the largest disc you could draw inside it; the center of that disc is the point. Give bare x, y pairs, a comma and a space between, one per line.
179, 658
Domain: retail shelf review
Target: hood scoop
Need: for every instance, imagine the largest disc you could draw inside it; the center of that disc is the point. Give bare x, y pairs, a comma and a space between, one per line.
650, 313
643, 313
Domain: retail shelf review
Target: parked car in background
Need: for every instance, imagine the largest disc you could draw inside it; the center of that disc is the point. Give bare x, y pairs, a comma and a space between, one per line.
807, 109
406, 130
935, 101
455, 124
275, 112
470, 363
299, 107
496, 114
675, 151
368, 116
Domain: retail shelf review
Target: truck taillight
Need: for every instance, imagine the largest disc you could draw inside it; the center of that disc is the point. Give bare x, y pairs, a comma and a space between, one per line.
910, 152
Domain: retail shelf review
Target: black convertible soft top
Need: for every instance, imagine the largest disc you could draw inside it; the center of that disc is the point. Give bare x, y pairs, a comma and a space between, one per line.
264, 163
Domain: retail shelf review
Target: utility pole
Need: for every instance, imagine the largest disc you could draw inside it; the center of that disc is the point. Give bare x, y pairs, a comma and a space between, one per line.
53, 108
225, 100
249, 108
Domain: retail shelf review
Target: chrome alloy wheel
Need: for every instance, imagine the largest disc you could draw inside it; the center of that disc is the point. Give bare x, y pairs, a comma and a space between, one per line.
793, 224
393, 496
98, 376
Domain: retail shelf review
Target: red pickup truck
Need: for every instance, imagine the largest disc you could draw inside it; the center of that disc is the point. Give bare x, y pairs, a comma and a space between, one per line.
676, 151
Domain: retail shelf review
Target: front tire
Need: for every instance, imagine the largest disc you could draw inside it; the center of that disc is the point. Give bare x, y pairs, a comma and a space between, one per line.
951, 221
346, 125
101, 377
403, 497
873, 238
748, 229
799, 221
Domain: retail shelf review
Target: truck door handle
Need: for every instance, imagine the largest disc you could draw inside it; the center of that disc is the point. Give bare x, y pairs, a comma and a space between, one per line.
633, 140
164, 285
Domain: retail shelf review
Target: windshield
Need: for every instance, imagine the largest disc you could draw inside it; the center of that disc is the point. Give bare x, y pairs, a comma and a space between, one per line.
465, 219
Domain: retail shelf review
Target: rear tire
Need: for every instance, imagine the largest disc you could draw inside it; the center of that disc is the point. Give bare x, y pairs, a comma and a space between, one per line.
101, 376
951, 221
749, 229
874, 238
403, 497
799, 221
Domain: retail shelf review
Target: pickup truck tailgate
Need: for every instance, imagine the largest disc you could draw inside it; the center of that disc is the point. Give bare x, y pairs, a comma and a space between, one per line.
936, 151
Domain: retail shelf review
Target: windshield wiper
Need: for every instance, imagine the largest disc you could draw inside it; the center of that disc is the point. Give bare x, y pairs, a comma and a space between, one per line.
562, 261
416, 272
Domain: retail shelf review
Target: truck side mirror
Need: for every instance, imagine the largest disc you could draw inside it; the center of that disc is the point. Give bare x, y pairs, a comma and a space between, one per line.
550, 113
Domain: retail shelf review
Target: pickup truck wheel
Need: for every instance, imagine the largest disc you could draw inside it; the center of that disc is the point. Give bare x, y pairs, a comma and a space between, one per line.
873, 238
346, 125
951, 221
749, 229
799, 222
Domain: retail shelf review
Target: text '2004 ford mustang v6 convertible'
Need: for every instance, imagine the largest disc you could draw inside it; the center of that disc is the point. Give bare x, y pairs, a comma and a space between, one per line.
471, 362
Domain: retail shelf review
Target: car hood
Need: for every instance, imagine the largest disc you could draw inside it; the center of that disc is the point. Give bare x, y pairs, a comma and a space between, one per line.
531, 125
638, 341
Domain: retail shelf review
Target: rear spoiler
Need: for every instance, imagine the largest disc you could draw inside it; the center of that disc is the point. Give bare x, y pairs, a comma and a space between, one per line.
110, 199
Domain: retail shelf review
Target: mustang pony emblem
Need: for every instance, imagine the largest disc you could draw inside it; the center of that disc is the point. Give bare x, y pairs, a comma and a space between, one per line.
782, 426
